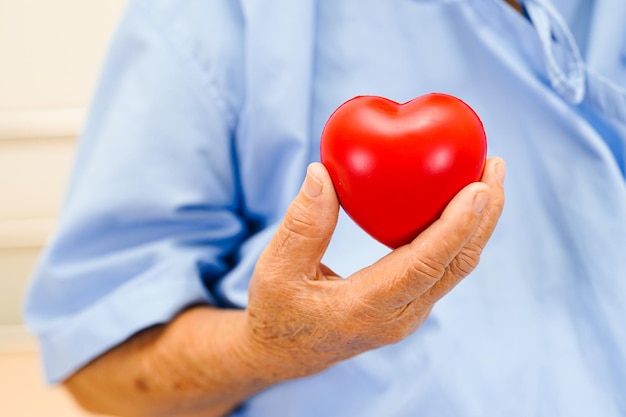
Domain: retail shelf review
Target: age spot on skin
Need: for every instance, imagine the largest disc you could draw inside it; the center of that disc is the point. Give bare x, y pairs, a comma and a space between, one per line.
141, 385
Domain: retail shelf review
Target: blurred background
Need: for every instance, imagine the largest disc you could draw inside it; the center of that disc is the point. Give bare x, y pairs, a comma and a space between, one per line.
50, 56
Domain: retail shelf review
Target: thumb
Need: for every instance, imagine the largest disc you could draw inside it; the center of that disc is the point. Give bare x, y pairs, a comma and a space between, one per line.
304, 234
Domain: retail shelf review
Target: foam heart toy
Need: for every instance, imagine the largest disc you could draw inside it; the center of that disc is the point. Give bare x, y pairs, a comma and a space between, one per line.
396, 166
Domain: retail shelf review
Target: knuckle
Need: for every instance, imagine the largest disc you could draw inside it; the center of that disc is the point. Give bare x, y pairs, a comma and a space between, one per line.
299, 222
425, 271
466, 261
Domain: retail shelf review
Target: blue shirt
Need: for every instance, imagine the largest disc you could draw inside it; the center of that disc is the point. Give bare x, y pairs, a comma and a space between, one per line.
206, 117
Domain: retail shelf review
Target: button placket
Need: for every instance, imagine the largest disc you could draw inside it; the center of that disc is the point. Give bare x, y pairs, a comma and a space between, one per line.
568, 77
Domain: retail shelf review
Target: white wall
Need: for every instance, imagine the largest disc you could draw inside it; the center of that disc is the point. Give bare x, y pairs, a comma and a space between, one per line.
50, 55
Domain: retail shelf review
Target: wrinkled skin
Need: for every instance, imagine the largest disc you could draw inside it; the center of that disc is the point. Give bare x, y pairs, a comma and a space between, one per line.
307, 318
301, 317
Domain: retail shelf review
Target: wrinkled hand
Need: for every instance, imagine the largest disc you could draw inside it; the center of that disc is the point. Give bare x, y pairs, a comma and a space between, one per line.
304, 318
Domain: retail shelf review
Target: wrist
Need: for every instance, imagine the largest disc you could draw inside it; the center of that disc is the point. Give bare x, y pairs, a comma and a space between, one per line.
246, 364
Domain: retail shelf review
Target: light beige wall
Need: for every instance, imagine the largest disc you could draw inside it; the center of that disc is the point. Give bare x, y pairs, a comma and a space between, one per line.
50, 55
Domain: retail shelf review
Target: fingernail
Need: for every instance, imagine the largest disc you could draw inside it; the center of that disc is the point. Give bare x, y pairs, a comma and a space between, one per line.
480, 201
500, 169
312, 185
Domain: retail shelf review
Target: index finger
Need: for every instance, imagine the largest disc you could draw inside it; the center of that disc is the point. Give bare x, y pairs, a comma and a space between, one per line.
469, 256
411, 270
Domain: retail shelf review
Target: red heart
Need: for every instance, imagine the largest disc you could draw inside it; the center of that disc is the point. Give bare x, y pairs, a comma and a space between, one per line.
396, 166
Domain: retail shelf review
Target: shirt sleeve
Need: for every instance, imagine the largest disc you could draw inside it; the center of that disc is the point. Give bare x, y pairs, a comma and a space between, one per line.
151, 217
